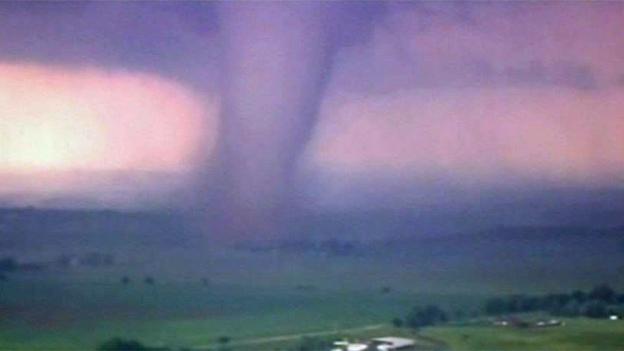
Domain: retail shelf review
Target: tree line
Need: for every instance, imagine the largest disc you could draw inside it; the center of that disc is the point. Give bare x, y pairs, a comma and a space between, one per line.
600, 302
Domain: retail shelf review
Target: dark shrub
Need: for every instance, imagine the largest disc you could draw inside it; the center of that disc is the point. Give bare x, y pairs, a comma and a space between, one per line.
603, 293
571, 309
118, 344
496, 306
313, 344
579, 296
224, 339
8, 264
555, 302
422, 317
595, 309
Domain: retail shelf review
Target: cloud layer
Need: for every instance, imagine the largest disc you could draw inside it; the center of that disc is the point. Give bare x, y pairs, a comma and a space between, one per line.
479, 93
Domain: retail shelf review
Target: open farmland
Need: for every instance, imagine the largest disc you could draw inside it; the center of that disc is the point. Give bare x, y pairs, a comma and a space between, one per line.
200, 293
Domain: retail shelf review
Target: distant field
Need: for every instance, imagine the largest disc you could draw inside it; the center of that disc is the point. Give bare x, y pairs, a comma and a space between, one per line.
249, 296
577, 335
202, 292
74, 312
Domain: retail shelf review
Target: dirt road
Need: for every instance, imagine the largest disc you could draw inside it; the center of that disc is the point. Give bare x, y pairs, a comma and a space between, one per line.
291, 337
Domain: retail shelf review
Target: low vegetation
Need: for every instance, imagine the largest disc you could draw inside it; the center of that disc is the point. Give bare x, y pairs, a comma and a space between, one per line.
420, 317
314, 344
95, 285
8, 264
578, 334
602, 301
119, 344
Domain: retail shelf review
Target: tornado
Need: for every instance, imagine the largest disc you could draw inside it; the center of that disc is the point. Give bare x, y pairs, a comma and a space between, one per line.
275, 61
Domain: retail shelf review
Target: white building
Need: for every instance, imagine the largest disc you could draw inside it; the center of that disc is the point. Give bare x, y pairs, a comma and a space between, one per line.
393, 343
379, 344
348, 346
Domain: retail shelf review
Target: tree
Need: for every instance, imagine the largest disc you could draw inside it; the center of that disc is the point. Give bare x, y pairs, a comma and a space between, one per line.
595, 309
223, 339
149, 280
223, 342
570, 309
118, 344
8, 264
555, 302
579, 296
521, 303
617, 310
397, 322
496, 306
125, 280
421, 317
459, 314
603, 293
313, 344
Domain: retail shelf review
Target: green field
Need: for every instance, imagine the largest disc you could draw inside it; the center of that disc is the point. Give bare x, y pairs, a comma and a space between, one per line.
202, 292
74, 310
577, 335
253, 296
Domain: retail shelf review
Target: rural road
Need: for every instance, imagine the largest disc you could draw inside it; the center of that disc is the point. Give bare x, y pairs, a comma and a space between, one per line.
290, 337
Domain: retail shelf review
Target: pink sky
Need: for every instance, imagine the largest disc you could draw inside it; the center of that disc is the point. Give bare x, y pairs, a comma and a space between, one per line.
56, 119
524, 91
528, 91
481, 135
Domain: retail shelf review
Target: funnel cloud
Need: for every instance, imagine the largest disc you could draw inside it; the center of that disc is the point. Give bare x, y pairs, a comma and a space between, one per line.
275, 61
253, 116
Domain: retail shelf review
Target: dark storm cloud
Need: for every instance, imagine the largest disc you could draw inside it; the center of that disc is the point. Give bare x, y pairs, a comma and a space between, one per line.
276, 62
177, 40
562, 73
466, 89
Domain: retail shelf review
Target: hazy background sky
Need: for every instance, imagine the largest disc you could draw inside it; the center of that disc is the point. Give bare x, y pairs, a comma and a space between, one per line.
122, 104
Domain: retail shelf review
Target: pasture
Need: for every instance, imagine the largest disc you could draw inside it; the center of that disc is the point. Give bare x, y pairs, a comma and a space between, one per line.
76, 309
198, 297
578, 334
200, 293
